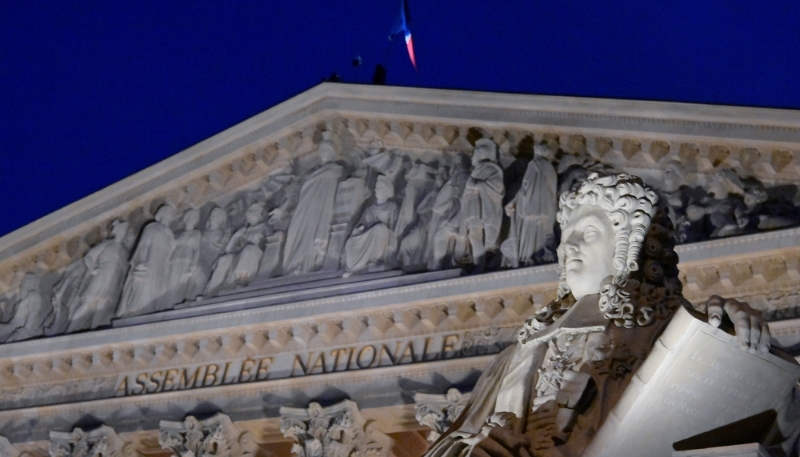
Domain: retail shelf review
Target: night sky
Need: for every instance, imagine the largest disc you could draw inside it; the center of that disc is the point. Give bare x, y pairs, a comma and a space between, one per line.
93, 91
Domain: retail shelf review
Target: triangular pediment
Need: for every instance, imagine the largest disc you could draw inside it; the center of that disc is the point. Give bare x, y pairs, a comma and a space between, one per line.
716, 164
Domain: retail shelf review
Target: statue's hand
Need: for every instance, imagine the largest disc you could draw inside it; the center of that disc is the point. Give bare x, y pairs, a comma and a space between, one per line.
502, 443
749, 325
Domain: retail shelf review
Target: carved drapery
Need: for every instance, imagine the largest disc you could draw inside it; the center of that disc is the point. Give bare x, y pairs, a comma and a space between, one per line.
335, 431
216, 436
102, 441
437, 412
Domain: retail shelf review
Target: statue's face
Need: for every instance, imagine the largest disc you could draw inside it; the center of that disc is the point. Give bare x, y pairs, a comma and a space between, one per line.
165, 215
254, 214
119, 231
587, 250
217, 218
190, 219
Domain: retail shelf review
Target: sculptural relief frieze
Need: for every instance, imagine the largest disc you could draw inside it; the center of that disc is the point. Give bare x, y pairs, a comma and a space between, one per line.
362, 197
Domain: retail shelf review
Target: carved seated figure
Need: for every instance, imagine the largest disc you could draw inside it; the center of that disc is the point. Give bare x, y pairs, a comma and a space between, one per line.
549, 394
242, 255
372, 245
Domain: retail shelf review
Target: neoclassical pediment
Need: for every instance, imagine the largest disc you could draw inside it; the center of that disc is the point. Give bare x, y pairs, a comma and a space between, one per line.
348, 180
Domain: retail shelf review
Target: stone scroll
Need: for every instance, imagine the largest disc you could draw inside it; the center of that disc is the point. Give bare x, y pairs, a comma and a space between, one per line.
695, 379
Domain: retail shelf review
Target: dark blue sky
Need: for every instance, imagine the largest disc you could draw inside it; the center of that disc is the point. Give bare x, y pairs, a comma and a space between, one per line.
91, 92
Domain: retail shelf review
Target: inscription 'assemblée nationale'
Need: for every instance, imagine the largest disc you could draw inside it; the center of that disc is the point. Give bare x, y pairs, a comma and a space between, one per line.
288, 365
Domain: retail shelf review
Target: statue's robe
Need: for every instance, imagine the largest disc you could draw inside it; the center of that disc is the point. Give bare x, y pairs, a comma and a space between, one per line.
106, 265
534, 214
482, 203
377, 244
184, 279
147, 281
560, 417
310, 229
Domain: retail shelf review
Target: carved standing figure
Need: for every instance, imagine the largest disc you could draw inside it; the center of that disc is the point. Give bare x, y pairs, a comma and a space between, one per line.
372, 245
533, 214
445, 215
548, 394
414, 239
310, 228
106, 265
239, 265
185, 279
212, 244
146, 285
482, 205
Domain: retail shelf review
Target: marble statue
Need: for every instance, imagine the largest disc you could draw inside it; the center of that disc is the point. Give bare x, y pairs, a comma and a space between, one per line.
482, 206
106, 265
31, 313
533, 214
372, 245
444, 225
185, 279
549, 393
239, 265
310, 228
146, 285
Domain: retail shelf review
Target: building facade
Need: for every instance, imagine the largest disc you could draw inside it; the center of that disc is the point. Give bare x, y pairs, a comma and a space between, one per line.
331, 276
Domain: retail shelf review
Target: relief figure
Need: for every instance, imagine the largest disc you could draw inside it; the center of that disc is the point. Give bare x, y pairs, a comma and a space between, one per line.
310, 228
106, 265
185, 279
239, 265
372, 245
482, 206
445, 219
146, 285
533, 214
31, 313
414, 238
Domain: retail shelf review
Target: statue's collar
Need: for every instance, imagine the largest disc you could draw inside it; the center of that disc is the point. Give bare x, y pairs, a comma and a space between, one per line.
582, 317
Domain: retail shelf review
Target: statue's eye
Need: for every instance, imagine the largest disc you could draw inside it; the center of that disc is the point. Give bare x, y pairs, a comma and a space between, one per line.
590, 233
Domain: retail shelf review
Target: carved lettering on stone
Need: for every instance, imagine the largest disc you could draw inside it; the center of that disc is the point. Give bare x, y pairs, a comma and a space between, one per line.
102, 441
335, 431
437, 412
216, 436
